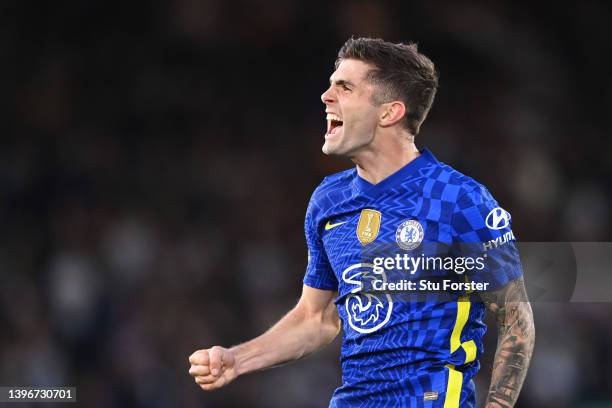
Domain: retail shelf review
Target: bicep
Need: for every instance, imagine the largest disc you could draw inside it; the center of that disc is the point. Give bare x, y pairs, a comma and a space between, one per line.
315, 300
318, 303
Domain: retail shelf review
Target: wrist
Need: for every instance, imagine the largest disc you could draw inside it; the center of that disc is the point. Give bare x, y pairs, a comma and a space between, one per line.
239, 360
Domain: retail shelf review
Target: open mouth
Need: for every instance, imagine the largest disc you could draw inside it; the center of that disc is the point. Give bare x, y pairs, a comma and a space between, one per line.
334, 123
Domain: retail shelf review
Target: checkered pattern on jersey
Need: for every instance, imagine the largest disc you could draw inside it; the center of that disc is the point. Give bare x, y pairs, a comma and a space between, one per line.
395, 350
469, 227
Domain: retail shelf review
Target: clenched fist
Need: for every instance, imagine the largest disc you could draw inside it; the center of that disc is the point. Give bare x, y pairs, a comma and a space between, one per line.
213, 368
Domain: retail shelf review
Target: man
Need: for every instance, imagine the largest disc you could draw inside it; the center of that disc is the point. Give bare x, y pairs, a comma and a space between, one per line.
419, 351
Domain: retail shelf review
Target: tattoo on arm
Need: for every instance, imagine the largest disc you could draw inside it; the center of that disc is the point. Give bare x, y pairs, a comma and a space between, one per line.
516, 338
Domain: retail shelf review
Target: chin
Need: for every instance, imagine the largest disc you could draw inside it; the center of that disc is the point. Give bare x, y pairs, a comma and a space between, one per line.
327, 149
331, 150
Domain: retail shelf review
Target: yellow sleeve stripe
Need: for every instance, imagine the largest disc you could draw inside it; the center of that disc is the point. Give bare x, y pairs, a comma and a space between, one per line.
463, 312
455, 378
453, 389
470, 351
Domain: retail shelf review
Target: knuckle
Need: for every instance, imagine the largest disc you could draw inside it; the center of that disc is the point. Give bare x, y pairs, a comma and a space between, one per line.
199, 357
199, 371
192, 357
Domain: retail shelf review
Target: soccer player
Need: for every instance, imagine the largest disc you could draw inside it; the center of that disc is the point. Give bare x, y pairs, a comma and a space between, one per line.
416, 352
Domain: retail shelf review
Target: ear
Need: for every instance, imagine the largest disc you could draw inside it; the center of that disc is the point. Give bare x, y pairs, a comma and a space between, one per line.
392, 113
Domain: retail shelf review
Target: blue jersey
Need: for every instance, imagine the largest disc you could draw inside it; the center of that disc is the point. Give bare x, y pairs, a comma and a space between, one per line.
412, 325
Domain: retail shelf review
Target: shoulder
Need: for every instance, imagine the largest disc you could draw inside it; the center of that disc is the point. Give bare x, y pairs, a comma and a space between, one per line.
332, 188
456, 186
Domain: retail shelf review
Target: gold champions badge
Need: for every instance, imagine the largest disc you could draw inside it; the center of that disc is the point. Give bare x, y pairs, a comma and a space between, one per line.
368, 226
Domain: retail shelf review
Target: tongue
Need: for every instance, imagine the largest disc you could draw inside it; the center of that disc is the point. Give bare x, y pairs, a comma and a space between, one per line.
334, 128
335, 124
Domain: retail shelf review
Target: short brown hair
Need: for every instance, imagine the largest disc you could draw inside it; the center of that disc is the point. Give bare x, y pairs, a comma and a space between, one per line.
400, 73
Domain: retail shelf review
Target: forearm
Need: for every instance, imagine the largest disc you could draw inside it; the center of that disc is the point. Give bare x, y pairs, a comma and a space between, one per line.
294, 336
513, 355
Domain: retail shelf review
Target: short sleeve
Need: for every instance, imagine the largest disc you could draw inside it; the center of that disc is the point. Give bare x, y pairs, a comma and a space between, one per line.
482, 230
319, 273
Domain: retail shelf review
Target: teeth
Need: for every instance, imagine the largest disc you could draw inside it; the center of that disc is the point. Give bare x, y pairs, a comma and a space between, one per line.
334, 117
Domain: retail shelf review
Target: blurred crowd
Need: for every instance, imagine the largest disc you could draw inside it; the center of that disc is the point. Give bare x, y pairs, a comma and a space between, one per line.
158, 157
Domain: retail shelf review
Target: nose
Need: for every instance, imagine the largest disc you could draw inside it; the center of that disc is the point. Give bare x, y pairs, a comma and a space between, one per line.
328, 96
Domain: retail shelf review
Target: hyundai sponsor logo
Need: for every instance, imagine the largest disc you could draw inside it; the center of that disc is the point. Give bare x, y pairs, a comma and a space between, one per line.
498, 219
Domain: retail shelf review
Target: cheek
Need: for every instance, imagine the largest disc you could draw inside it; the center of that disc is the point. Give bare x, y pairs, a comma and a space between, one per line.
356, 110
366, 117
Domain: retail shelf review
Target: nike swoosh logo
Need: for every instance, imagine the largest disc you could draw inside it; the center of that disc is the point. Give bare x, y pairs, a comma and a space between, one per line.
329, 226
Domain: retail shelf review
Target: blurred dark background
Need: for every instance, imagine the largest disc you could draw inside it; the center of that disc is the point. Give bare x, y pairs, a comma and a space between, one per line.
157, 159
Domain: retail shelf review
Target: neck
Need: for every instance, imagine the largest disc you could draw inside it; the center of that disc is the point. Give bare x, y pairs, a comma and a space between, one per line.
378, 163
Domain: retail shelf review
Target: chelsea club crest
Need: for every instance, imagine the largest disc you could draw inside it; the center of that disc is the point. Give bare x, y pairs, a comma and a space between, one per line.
409, 234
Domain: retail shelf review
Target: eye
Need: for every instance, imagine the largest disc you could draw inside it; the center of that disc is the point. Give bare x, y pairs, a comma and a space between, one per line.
345, 88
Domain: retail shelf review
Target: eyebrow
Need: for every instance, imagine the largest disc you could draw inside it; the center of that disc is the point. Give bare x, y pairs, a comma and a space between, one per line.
341, 82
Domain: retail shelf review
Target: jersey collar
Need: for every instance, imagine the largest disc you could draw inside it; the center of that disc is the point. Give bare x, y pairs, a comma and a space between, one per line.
409, 170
